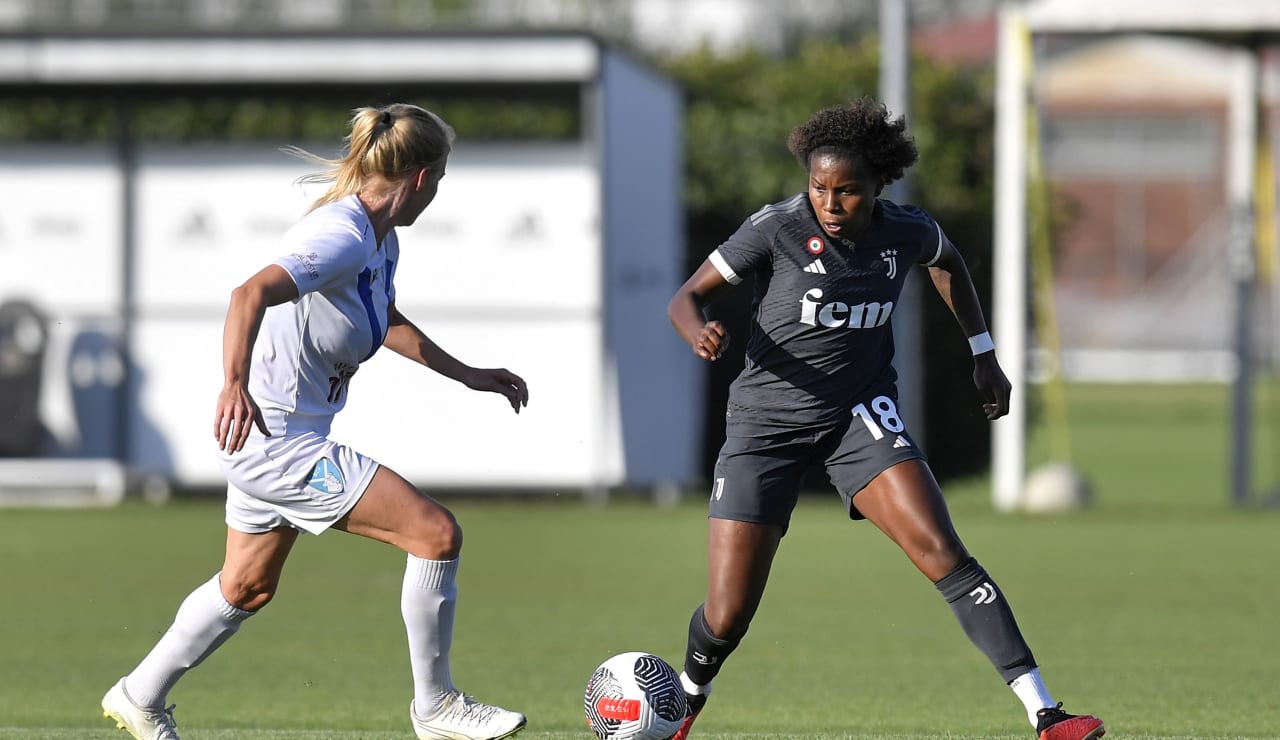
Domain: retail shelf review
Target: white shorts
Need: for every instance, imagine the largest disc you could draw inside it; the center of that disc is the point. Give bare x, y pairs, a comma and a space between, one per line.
301, 479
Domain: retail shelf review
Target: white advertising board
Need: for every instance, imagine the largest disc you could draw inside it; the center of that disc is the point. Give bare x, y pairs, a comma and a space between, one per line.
431, 430
513, 227
60, 228
504, 265
207, 217
437, 432
177, 374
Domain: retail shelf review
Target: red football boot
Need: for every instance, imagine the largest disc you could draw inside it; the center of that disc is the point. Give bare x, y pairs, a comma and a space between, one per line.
694, 704
1055, 724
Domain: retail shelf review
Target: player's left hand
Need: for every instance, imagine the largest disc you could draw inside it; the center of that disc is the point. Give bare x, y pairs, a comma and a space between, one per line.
992, 384
499, 380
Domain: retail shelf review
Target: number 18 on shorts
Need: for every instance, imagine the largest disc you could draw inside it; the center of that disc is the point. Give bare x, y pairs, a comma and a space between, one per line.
758, 478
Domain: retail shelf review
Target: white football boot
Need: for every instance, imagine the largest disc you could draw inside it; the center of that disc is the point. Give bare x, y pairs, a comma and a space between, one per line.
463, 718
142, 723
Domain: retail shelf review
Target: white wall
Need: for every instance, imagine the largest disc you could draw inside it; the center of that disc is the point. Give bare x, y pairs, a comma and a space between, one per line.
502, 270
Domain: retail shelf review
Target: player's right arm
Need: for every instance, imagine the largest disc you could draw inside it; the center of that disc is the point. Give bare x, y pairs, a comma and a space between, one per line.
709, 339
749, 249
236, 410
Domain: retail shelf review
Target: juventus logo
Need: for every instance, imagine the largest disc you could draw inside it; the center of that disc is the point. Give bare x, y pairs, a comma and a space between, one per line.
718, 489
984, 594
891, 256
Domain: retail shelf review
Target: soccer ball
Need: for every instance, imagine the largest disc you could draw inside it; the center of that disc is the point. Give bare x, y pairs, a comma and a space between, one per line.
634, 696
1055, 487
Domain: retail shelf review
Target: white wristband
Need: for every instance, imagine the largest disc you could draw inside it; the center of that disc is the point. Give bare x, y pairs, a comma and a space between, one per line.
981, 343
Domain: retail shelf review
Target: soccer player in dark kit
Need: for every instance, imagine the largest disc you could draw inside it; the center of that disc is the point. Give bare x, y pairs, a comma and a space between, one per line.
819, 387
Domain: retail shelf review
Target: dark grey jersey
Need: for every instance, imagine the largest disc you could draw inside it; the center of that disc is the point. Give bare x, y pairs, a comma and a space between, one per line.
820, 334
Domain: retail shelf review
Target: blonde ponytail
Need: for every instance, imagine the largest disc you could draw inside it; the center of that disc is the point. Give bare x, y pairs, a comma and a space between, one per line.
390, 143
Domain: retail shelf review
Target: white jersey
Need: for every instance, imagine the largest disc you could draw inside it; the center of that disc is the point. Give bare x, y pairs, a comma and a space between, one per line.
307, 350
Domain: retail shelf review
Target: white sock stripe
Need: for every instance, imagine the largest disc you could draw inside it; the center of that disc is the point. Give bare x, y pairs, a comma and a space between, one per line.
692, 688
1030, 689
433, 574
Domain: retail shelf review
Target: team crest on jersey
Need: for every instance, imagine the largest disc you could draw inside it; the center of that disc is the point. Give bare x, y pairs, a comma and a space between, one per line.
326, 478
814, 244
891, 256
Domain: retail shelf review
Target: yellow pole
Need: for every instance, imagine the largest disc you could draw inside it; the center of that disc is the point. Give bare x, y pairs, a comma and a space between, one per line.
1264, 207
1046, 316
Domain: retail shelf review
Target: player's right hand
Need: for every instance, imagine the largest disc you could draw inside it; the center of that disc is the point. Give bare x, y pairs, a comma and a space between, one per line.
499, 380
232, 419
711, 341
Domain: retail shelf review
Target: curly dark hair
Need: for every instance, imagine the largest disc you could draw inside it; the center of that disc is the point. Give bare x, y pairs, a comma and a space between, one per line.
862, 130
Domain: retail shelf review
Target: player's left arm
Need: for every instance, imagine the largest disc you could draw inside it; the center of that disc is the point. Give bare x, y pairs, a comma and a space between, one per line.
406, 339
952, 280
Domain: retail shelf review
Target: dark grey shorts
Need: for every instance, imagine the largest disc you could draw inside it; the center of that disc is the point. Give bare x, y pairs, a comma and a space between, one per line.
757, 479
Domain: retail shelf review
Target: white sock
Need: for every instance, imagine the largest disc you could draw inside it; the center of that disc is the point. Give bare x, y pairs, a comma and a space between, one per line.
428, 601
692, 688
204, 621
1029, 687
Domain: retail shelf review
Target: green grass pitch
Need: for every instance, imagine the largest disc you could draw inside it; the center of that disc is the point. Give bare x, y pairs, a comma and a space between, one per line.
1158, 609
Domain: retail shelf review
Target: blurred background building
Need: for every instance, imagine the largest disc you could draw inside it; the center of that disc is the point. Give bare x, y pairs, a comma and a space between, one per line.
658, 25
1133, 138
1133, 141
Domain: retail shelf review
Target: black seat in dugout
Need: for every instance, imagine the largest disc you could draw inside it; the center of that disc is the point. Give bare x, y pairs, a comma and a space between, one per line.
24, 337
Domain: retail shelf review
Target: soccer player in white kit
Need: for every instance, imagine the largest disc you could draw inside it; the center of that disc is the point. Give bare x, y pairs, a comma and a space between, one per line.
295, 334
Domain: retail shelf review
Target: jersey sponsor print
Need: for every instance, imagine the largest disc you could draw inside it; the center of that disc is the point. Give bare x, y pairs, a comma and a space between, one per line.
820, 334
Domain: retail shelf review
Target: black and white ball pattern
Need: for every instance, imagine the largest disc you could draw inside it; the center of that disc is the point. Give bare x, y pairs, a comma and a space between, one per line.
634, 696
661, 687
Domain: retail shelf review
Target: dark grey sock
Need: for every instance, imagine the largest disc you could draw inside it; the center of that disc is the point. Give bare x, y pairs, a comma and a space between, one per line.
984, 614
706, 653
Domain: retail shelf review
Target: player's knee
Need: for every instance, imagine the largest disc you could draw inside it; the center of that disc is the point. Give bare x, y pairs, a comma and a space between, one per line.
438, 538
938, 556
249, 594
727, 621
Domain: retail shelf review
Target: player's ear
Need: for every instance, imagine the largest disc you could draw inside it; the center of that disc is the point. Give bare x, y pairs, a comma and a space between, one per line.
421, 177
